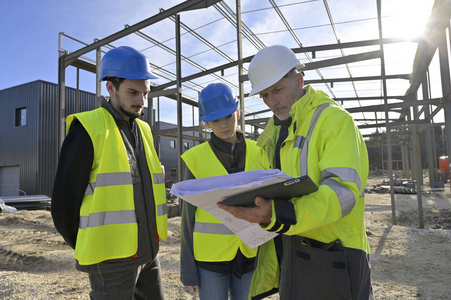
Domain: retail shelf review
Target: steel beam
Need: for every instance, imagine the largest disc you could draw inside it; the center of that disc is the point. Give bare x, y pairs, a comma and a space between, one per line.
364, 78
184, 6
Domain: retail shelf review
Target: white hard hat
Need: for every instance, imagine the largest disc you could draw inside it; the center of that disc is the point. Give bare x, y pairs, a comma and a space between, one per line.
269, 65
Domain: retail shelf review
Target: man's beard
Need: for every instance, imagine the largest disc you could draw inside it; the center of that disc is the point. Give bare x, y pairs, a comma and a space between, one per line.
131, 115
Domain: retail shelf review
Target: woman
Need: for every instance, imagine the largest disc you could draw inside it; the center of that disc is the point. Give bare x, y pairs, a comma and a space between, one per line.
214, 261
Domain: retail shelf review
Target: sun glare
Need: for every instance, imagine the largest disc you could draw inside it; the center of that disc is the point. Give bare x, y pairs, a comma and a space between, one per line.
406, 19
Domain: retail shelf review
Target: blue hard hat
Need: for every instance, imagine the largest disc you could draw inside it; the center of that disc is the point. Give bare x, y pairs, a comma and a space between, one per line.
125, 62
216, 101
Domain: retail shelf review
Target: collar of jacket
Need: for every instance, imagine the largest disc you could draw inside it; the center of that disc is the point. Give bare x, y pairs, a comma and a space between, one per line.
300, 111
312, 98
282, 123
116, 115
227, 147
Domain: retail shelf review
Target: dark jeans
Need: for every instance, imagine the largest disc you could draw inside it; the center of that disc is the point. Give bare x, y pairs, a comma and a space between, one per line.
143, 282
217, 286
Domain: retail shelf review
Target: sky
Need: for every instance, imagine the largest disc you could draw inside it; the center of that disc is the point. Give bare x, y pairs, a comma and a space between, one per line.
30, 32
29, 38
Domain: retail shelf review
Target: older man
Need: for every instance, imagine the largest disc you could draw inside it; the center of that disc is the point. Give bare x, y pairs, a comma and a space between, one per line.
322, 250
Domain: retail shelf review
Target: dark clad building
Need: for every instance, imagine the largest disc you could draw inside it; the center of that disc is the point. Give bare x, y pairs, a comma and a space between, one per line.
28, 132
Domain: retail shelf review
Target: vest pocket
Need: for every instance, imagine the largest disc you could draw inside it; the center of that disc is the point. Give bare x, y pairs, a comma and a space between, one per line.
320, 271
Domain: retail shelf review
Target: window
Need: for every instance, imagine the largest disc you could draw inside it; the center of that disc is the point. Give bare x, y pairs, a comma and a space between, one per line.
185, 145
172, 144
21, 117
174, 175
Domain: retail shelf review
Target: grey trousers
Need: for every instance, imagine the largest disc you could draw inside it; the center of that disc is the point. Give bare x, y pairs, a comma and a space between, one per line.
141, 283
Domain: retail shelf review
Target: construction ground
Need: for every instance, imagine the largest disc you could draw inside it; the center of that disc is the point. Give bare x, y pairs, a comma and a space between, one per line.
408, 262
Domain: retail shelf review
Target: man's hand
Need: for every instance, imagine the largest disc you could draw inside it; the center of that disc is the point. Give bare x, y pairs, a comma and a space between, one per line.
193, 288
261, 213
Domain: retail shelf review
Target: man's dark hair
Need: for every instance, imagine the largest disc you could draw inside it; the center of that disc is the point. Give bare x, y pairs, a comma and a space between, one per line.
116, 81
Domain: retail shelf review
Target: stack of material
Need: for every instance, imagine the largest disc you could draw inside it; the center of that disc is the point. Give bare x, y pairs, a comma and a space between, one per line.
27, 202
400, 186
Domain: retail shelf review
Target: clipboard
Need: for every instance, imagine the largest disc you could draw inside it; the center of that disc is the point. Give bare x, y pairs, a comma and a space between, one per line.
293, 187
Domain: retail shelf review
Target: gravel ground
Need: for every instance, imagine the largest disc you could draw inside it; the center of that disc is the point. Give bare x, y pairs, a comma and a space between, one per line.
407, 262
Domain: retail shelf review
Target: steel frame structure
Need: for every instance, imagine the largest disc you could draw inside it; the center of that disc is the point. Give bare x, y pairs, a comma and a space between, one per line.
414, 114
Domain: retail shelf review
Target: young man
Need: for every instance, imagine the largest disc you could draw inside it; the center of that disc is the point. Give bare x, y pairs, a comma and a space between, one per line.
322, 250
109, 199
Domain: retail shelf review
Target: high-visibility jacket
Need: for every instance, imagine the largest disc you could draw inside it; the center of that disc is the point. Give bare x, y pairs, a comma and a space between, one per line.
324, 143
212, 240
108, 227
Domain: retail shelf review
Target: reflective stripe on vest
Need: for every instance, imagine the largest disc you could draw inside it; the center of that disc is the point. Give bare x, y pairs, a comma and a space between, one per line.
299, 143
345, 195
107, 218
345, 174
162, 209
158, 178
303, 158
213, 228
108, 179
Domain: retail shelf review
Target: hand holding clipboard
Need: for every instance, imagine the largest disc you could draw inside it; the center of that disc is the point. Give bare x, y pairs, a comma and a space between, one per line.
293, 187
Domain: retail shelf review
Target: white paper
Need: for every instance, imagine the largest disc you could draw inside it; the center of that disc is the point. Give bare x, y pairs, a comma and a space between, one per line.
206, 192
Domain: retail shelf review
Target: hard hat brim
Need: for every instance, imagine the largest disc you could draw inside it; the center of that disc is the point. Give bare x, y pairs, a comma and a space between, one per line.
267, 83
220, 114
132, 76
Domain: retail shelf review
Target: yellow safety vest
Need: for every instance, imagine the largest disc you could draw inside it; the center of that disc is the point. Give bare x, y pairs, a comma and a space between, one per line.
108, 228
212, 240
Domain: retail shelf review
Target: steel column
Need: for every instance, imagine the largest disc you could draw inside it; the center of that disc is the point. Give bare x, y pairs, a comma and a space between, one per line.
61, 106
98, 83
178, 47
150, 116
446, 86
387, 118
77, 95
240, 65
429, 133
418, 165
